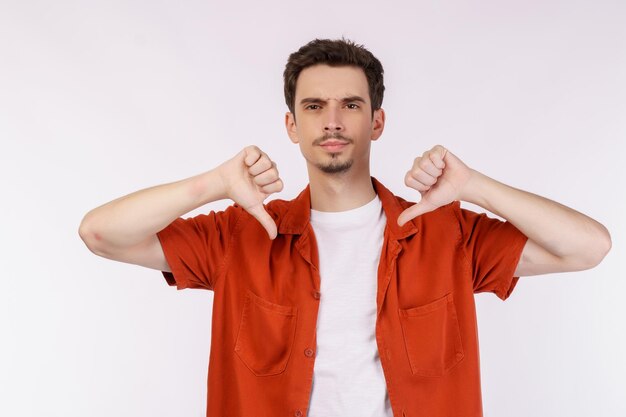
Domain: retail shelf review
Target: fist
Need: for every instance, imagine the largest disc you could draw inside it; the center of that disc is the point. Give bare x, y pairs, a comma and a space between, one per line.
249, 178
439, 176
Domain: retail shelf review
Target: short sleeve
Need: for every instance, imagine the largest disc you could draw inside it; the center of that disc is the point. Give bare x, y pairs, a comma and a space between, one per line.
196, 248
493, 248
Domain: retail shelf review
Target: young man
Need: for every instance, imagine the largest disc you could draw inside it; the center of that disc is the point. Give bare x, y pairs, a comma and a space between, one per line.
358, 303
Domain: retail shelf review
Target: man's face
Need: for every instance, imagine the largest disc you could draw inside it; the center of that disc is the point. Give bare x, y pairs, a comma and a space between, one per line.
334, 125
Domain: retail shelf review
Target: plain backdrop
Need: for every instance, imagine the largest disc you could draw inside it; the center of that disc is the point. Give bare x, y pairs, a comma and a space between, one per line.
102, 98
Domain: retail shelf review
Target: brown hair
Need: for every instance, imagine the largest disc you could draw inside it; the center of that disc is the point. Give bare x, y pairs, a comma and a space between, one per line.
340, 52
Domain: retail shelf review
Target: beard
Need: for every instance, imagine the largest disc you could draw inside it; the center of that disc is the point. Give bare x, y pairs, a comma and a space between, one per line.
336, 165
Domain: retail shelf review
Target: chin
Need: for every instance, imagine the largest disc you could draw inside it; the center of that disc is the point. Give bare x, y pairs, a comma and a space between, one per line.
335, 167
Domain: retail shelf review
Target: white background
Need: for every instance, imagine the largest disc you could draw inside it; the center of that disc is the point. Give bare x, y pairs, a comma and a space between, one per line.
101, 98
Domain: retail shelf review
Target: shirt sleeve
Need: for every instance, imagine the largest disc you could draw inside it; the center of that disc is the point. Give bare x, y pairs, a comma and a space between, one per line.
196, 248
493, 248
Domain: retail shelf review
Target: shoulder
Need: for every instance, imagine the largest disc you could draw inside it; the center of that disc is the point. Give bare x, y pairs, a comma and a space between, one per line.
448, 213
278, 208
444, 220
394, 205
234, 214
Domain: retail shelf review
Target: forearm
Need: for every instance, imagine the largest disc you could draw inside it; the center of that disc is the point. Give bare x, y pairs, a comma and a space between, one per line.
558, 229
129, 220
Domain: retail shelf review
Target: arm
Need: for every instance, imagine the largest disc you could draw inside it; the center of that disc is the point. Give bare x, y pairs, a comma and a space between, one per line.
125, 229
559, 238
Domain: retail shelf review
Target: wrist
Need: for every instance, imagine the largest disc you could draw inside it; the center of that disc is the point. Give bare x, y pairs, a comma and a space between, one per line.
472, 190
208, 186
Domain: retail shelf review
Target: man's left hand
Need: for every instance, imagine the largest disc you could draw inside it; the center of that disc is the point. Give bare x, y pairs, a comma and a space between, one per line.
439, 176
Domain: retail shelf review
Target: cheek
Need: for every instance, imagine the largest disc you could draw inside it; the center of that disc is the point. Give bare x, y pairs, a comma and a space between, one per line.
363, 129
360, 122
307, 129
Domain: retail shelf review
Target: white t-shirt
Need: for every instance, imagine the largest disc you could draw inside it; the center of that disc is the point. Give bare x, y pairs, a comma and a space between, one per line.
348, 379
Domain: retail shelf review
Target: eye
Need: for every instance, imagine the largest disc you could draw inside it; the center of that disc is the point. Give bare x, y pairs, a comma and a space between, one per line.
312, 107
352, 106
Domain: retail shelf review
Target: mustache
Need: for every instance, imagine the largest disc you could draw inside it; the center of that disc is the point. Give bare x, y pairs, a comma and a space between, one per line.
335, 135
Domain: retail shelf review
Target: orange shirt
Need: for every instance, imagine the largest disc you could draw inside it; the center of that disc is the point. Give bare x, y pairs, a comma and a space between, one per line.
267, 294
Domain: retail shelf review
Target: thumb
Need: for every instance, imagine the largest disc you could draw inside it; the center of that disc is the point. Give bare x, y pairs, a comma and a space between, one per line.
259, 213
251, 154
415, 210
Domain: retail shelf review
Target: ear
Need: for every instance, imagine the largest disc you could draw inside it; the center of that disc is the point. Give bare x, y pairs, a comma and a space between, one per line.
290, 125
378, 123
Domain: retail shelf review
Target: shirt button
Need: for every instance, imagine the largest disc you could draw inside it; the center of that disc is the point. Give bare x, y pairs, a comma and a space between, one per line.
308, 352
298, 413
316, 295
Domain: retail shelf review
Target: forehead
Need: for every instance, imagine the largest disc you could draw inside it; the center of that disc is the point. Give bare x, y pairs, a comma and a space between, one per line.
324, 81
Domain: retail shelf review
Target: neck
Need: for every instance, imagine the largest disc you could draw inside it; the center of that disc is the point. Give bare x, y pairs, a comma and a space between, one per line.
340, 192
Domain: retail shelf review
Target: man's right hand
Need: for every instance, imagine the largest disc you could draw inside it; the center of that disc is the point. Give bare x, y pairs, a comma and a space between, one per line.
249, 178
126, 228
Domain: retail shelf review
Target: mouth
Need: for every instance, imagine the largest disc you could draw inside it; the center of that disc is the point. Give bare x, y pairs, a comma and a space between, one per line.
333, 145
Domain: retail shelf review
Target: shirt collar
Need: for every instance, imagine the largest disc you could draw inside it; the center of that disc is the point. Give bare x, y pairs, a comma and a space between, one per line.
297, 217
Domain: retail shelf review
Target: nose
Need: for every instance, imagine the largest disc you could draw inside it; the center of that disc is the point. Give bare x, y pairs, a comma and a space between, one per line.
333, 121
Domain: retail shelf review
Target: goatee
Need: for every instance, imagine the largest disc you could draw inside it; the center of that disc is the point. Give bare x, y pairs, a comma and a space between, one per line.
335, 166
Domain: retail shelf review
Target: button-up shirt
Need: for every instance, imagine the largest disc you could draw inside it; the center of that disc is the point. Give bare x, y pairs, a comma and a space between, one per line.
267, 295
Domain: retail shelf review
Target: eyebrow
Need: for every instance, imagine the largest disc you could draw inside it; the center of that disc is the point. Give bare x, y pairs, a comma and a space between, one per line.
316, 100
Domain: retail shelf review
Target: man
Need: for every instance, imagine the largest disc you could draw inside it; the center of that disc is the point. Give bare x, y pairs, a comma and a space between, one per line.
359, 303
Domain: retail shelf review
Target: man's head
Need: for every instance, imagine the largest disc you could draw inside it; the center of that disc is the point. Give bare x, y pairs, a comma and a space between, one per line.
334, 53
334, 89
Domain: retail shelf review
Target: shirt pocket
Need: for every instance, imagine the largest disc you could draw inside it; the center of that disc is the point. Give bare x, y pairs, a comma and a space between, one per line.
266, 335
432, 337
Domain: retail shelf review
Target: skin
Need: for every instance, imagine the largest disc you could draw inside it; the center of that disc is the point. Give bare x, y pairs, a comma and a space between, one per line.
334, 127
335, 101
559, 238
